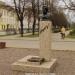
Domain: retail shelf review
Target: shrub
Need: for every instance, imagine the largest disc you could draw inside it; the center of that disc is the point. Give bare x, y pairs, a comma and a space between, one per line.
72, 32
55, 30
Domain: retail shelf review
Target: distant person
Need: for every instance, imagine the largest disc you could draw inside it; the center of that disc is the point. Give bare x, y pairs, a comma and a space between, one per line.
63, 32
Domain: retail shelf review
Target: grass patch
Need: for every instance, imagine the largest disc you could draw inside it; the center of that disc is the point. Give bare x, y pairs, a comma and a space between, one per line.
31, 36
71, 36
6, 35
2, 35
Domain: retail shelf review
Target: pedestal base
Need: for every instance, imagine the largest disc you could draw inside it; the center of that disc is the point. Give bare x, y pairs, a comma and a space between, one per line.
33, 67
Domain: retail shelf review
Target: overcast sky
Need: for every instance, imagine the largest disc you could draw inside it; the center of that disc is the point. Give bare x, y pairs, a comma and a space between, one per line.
5, 0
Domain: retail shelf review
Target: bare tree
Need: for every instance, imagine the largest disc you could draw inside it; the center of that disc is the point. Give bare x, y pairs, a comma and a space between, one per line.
29, 17
69, 4
38, 14
34, 16
20, 11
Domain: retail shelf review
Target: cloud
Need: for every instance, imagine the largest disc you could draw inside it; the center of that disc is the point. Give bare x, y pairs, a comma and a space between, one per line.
2, 0
5, 1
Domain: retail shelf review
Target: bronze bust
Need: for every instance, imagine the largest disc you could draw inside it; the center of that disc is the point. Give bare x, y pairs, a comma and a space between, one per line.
45, 15
45, 10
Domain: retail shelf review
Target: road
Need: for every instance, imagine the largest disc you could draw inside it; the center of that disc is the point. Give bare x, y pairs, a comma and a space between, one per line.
21, 43
57, 45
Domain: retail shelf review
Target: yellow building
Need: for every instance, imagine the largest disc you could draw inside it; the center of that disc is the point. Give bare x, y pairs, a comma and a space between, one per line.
7, 17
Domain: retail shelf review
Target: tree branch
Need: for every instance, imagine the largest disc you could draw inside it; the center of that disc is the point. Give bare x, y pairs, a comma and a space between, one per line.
69, 7
16, 9
23, 8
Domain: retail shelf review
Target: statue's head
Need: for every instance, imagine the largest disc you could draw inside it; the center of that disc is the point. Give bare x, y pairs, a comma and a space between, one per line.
45, 14
45, 10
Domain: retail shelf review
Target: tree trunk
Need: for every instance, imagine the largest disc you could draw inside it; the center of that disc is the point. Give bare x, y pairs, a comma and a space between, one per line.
33, 29
21, 31
28, 25
38, 17
38, 26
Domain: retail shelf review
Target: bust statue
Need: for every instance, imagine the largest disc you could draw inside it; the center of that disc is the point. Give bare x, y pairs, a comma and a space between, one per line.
45, 10
45, 15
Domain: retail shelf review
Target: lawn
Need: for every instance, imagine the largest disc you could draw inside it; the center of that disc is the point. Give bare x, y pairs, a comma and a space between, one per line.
31, 36
71, 36
18, 36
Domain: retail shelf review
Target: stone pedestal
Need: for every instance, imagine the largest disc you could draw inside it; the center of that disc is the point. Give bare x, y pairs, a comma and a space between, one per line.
24, 66
47, 65
2, 45
45, 40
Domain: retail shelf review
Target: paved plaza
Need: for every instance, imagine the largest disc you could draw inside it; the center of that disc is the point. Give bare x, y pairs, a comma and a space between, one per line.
65, 65
56, 45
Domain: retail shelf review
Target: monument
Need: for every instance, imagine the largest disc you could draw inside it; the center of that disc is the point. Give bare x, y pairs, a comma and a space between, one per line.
42, 63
